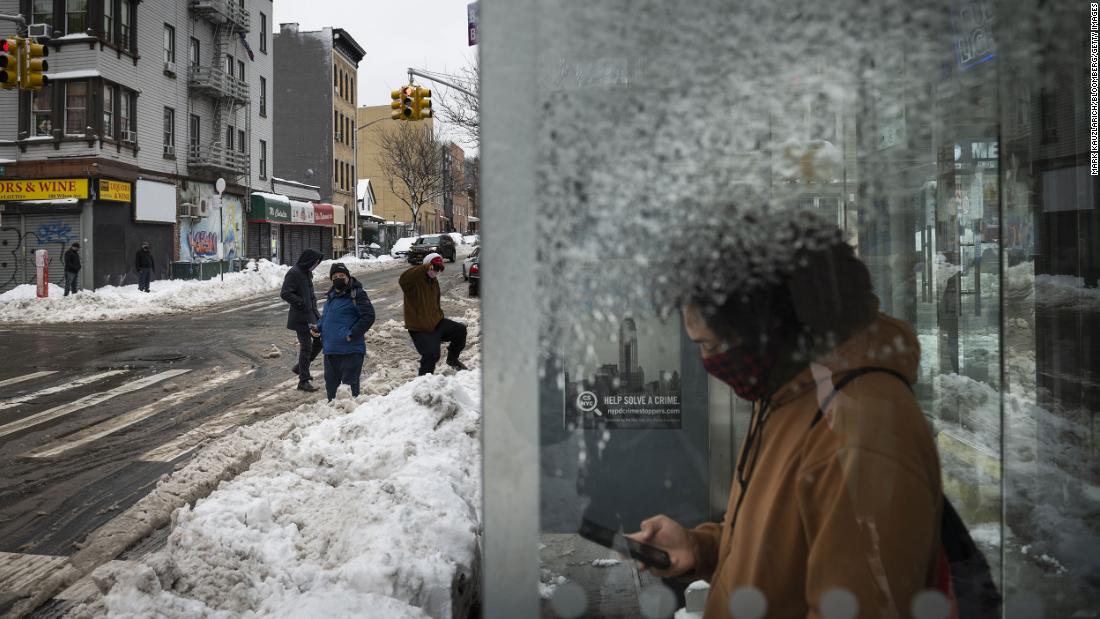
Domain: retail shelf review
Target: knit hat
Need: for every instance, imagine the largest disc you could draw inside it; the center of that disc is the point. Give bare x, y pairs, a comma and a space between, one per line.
339, 268
433, 258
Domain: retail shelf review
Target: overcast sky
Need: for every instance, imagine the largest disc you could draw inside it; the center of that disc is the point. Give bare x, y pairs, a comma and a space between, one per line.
426, 34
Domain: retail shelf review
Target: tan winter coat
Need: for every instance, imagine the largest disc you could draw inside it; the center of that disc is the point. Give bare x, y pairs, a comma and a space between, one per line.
852, 504
422, 309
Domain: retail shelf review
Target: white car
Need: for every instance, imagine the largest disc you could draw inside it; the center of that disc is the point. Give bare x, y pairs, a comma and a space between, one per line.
472, 258
471, 239
401, 247
457, 236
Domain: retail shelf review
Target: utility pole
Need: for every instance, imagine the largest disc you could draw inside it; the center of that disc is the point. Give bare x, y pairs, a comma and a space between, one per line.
435, 79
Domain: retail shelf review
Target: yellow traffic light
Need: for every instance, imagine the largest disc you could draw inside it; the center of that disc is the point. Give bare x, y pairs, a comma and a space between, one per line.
9, 63
402, 103
422, 103
32, 77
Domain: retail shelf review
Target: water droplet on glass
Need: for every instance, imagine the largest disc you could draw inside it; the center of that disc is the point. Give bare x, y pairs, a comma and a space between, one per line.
568, 600
839, 604
748, 603
1025, 604
930, 604
657, 602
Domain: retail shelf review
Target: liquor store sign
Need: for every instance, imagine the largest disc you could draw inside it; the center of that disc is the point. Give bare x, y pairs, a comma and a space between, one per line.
44, 189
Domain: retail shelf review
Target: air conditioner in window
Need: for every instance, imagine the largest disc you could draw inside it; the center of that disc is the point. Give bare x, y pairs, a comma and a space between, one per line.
127, 135
169, 151
170, 68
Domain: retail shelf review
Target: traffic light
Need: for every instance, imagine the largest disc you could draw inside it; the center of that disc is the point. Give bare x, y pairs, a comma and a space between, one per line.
32, 76
9, 63
402, 103
422, 103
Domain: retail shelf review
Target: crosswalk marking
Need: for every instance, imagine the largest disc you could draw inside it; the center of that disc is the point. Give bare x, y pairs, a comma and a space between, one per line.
190, 440
251, 305
25, 377
78, 382
114, 424
86, 401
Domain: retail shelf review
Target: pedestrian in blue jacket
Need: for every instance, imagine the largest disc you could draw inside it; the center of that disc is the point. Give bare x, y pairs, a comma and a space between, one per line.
347, 316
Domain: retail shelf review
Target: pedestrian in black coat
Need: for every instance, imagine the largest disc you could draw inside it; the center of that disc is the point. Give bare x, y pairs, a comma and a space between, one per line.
303, 316
145, 266
71, 260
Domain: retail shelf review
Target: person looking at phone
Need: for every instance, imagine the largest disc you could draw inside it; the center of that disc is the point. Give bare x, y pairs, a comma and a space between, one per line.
302, 317
424, 316
347, 317
852, 502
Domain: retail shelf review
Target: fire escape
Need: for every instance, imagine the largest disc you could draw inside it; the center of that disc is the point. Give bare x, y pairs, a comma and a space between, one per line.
227, 91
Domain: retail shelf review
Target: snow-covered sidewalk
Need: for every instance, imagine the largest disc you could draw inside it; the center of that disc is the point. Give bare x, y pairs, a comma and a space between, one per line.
362, 507
259, 280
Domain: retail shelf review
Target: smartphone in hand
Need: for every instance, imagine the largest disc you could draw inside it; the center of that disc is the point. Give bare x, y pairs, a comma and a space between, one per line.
649, 555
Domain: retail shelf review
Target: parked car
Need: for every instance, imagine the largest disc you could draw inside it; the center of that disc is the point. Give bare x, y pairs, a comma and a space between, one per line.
442, 244
456, 237
475, 277
401, 248
472, 239
472, 258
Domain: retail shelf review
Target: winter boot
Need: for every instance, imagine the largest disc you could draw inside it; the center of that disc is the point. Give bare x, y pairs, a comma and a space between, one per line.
305, 386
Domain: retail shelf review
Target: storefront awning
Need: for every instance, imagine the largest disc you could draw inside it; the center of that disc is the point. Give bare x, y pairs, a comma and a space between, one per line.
270, 207
325, 214
338, 214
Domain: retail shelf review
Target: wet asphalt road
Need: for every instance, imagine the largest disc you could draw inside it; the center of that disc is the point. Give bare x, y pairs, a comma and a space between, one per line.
92, 414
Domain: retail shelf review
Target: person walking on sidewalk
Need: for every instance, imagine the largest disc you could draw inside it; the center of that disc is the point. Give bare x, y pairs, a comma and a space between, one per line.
302, 317
348, 315
424, 316
145, 266
71, 260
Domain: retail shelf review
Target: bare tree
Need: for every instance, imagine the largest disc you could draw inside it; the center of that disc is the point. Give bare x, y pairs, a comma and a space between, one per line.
412, 161
462, 110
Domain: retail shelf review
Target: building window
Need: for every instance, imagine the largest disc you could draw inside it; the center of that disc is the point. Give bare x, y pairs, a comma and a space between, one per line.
193, 52
76, 108
76, 16
108, 19
263, 96
194, 133
230, 133
240, 70
229, 63
335, 125
263, 159
41, 114
169, 132
241, 142
169, 43
109, 110
125, 21
263, 33
42, 12
125, 116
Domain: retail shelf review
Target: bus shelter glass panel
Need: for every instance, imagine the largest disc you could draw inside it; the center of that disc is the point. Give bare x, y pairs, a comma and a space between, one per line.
944, 140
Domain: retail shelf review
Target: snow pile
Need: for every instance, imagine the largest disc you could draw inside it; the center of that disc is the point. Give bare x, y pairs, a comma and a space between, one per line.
1066, 292
378, 509
260, 279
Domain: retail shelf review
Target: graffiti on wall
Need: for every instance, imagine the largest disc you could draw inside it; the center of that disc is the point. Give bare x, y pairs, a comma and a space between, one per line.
48, 234
199, 238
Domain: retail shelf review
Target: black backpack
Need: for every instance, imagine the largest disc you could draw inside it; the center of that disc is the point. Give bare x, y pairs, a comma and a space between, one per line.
971, 579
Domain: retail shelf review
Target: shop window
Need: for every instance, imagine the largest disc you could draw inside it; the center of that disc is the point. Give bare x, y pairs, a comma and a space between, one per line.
169, 132
41, 113
76, 16
169, 43
76, 108
109, 97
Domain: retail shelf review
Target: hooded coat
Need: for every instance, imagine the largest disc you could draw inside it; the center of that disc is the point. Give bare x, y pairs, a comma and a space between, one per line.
347, 314
852, 503
298, 292
422, 308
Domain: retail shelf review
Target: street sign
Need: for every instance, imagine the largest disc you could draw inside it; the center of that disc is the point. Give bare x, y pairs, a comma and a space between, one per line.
471, 22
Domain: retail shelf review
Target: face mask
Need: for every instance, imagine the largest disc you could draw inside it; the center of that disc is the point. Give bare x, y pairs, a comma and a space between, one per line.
745, 372
339, 284
432, 273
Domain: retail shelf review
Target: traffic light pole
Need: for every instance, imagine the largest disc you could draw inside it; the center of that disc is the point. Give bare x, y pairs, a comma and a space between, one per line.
17, 19
432, 78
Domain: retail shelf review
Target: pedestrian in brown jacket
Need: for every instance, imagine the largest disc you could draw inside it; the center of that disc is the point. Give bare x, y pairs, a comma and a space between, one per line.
424, 316
847, 500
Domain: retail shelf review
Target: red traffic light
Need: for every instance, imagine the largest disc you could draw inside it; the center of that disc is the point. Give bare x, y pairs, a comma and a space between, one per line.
6, 46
